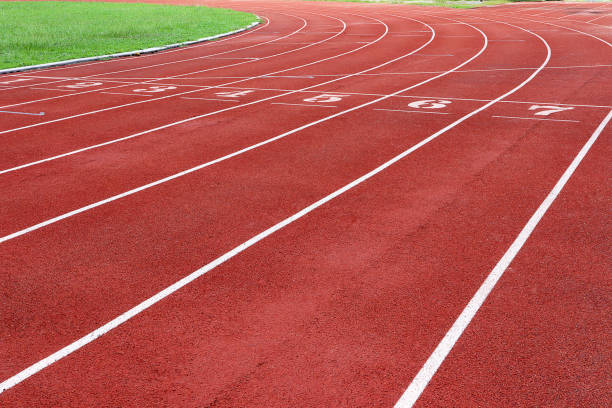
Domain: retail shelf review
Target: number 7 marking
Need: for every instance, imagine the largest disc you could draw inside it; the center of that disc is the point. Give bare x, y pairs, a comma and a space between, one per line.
548, 109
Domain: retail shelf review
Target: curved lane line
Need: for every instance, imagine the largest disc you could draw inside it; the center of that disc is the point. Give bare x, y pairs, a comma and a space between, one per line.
42, 364
426, 373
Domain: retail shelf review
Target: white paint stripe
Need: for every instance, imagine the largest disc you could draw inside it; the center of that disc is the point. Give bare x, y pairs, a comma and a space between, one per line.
567, 28
125, 93
426, 373
412, 111
42, 364
44, 89
523, 118
597, 18
23, 113
304, 104
210, 99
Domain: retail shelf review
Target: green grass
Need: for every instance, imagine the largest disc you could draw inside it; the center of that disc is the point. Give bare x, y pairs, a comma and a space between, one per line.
38, 32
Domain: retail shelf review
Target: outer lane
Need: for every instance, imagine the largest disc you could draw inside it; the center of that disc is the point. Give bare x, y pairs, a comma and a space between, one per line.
325, 329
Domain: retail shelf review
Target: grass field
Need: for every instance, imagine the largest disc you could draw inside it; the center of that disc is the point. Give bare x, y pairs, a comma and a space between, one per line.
39, 32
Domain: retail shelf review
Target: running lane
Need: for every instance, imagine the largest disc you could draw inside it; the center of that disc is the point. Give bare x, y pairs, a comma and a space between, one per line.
338, 309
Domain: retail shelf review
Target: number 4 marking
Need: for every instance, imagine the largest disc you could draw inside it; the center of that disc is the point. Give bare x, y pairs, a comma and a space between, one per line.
548, 109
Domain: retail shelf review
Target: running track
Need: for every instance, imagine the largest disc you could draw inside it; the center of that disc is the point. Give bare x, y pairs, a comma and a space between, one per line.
350, 205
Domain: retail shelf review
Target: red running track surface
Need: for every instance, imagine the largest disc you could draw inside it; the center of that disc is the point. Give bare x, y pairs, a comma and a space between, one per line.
350, 205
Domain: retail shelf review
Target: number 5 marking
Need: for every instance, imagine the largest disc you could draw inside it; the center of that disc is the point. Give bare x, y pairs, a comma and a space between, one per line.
548, 109
429, 104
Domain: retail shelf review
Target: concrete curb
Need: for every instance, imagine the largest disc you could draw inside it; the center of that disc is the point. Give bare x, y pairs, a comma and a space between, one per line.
128, 53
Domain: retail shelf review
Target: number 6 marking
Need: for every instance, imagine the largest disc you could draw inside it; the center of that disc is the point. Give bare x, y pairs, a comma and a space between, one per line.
429, 104
548, 109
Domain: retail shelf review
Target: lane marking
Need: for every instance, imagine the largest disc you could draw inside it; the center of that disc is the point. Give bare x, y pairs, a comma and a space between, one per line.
412, 111
42, 364
517, 117
597, 18
304, 104
426, 373
125, 93
23, 113
210, 99
44, 89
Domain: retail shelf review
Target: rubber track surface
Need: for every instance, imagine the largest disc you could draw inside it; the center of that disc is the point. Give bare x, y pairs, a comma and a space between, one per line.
119, 178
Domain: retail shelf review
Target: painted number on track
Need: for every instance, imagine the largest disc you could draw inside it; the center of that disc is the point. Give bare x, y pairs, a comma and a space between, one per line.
325, 98
156, 88
234, 94
80, 85
545, 110
429, 104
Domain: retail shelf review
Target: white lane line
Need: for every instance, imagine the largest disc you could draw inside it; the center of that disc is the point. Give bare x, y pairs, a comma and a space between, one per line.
304, 104
566, 28
210, 99
125, 93
412, 111
42, 364
294, 76
226, 109
23, 113
597, 18
435, 55
43, 89
426, 373
518, 117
